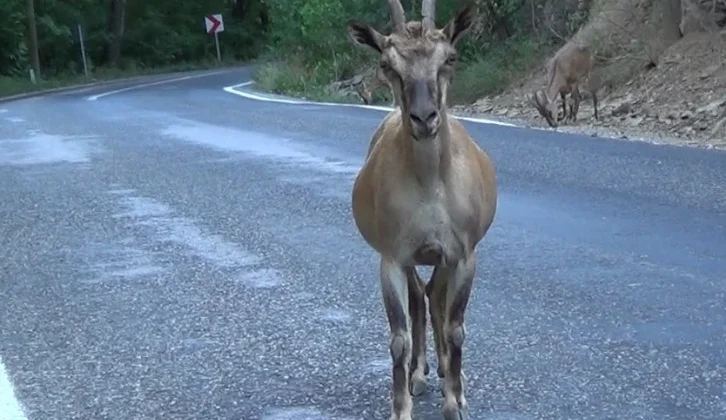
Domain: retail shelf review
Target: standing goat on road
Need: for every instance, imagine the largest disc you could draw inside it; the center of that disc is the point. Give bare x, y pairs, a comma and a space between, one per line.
426, 195
565, 72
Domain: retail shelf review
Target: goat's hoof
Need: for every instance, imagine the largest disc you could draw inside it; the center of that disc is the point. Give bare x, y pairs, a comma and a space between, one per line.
454, 412
418, 386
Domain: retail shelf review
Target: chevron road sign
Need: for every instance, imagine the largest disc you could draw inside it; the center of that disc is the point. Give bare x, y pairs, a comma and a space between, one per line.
214, 23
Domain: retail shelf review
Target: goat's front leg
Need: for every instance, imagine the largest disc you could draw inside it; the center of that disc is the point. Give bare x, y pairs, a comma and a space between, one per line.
460, 280
564, 107
417, 311
394, 287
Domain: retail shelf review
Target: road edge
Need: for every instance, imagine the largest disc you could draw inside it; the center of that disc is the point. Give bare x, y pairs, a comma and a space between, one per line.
235, 90
100, 83
266, 97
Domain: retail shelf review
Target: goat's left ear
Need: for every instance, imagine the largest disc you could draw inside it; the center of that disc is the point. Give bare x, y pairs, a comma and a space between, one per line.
460, 23
363, 34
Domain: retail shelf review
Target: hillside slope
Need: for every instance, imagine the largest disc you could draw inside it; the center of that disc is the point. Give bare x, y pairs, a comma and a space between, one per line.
680, 98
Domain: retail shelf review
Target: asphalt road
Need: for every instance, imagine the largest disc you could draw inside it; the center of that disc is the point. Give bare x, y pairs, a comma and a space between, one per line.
176, 251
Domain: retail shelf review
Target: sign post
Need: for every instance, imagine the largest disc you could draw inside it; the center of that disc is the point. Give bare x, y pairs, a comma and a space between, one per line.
215, 25
83, 50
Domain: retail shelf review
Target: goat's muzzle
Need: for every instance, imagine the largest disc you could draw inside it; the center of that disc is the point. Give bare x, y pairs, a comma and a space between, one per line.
423, 113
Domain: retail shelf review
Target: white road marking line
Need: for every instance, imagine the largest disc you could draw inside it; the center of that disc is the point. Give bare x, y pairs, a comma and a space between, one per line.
161, 82
233, 90
10, 407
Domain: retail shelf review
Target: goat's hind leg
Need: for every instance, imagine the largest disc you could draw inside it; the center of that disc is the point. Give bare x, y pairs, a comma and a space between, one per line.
459, 284
417, 310
394, 286
577, 98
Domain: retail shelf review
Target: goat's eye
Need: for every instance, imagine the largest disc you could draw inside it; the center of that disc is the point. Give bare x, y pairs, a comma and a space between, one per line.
385, 66
451, 60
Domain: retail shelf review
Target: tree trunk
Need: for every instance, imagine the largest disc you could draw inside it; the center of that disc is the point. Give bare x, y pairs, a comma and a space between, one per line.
116, 23
33, 35
665, 19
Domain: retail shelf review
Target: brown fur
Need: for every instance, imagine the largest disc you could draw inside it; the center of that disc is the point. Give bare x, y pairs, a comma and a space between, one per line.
426, 195
565, 71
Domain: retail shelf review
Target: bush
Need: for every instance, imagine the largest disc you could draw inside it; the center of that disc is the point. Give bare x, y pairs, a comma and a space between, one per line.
491, 73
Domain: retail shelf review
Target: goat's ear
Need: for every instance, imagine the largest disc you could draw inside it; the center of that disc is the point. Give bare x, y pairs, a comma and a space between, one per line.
460, 23
363, 34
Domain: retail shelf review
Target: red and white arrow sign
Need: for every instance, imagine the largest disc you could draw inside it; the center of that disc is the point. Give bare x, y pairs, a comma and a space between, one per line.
214, 23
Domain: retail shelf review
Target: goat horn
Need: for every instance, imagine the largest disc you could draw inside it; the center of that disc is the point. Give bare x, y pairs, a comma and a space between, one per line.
398, 16
536, 102
428, 14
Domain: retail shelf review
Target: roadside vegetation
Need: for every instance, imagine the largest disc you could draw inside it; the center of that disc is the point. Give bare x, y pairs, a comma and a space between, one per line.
310, 53
122, 39
302, 45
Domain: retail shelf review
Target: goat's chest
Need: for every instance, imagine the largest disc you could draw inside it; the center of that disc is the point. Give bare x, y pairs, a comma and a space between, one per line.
435, 214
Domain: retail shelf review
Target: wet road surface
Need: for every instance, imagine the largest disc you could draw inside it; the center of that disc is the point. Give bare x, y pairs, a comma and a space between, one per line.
176, 251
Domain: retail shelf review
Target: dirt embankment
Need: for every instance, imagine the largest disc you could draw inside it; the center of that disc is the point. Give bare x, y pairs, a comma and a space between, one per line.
660, 72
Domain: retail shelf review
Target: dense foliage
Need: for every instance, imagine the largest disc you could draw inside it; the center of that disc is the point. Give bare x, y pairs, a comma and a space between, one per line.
150, 33
311, 48
305, 42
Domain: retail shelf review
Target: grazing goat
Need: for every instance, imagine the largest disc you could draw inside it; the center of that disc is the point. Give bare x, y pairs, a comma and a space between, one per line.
565, 71
426, 195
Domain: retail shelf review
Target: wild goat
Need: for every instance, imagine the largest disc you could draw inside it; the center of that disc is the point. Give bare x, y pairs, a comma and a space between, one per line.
425, 195
565, 71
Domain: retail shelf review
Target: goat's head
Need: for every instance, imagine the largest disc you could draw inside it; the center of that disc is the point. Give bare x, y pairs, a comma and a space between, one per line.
418, 60
546, 109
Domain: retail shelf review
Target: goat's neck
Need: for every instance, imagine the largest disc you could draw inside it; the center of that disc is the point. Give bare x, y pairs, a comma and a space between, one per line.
553, 89
430, 159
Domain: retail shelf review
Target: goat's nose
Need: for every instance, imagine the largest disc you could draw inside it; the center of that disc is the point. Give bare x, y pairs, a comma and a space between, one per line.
423, 117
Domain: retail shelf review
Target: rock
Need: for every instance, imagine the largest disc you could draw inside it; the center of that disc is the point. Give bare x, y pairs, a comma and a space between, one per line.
701, 125
712, 108
635, 120
648, 111
665, 119
346, 84
719, 126
622, 109
484, 105
709, 71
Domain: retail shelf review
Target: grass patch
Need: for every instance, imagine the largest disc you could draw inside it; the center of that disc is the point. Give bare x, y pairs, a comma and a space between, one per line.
293, 79
10, 86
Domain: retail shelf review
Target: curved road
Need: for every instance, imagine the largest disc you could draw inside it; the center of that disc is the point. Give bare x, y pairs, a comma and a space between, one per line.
176, 251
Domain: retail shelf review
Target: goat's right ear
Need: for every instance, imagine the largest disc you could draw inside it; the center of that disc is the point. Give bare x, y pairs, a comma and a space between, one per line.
363, 34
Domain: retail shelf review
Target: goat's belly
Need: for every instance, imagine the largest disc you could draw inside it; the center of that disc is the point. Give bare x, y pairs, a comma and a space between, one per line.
431, 239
